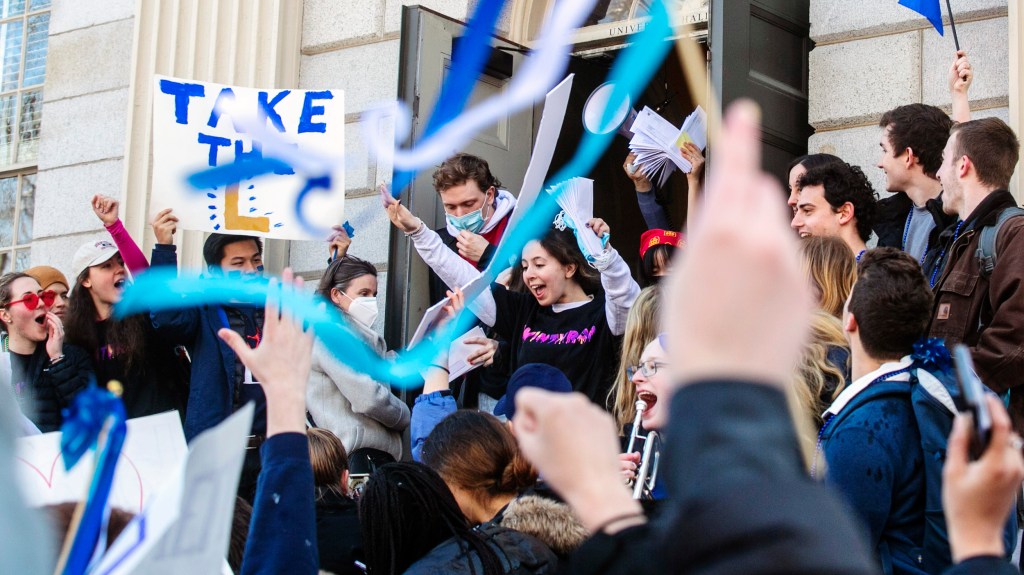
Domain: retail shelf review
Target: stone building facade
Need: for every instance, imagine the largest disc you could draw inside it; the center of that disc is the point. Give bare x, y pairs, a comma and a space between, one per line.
95, 135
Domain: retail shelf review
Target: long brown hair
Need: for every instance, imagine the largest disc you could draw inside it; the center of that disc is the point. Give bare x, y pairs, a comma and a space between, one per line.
641, 329
329, 461
561, 245
475, 452
832, 270
126, 336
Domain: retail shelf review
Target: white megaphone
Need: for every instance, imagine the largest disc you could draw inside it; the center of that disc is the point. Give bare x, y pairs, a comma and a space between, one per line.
594, 109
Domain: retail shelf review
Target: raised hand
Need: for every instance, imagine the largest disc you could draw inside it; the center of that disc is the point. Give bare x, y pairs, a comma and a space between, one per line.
338, 243
54, 336
105, 208
634, 173
399, 215
164, 224
737, 305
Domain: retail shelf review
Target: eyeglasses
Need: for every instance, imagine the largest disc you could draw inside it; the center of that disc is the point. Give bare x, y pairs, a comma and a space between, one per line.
647, 368
32, 300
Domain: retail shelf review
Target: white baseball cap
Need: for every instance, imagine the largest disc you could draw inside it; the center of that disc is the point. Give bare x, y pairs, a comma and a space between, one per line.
91, 254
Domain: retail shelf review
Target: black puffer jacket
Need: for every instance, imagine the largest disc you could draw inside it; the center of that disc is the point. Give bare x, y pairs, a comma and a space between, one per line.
52, 387
520, 554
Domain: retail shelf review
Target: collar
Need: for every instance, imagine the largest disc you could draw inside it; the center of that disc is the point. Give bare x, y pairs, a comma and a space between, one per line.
988, 210
862, 383
560, 307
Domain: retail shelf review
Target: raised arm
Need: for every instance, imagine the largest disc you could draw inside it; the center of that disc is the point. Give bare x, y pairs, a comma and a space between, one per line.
106, 209
654, 215
960, 77
620, 289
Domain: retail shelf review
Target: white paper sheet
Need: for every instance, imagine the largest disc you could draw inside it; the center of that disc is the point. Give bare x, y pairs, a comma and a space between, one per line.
154, 447
186, 526
458, 354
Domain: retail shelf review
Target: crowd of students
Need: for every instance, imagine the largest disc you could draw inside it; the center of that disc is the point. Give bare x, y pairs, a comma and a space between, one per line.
795, 387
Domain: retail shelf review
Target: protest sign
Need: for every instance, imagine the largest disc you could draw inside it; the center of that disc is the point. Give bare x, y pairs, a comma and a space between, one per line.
186, 526
153, 449
199, 125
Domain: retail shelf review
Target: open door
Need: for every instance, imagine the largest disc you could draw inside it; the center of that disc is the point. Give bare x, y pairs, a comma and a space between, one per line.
427, 40
759, 50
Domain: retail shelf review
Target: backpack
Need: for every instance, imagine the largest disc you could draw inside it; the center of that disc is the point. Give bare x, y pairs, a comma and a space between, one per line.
935, 400
986, 253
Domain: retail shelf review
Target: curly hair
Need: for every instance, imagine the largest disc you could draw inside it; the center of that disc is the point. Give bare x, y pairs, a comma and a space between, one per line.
461, 168
845, 183
920, 127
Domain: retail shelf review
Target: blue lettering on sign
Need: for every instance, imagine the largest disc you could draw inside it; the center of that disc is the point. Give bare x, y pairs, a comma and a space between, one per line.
266, 108
215, 142
225, 94
309, 111
181, 92
255, 152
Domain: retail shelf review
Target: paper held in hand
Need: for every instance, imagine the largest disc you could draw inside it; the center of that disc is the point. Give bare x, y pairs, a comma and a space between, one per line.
577, 200
656, 143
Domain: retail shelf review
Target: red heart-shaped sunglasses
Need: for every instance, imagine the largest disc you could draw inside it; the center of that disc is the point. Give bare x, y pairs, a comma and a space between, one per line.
32, 300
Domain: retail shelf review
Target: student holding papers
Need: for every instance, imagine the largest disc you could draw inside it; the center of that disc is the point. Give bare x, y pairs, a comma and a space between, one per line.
574, 312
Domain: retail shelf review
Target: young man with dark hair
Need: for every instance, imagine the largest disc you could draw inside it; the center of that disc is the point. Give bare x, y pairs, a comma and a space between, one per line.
870, 445
836, 200
981, 304
912, 139
219, 383
912, 218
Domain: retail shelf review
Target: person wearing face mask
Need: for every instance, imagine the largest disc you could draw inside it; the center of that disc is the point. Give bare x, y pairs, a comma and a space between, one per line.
476, 210
219, 383
361, 411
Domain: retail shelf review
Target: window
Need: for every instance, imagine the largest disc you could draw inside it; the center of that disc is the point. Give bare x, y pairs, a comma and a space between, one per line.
24, 30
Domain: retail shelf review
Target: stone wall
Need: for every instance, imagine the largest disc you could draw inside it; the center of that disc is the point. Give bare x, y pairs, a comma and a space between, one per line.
84, 116
874, 55
353, 44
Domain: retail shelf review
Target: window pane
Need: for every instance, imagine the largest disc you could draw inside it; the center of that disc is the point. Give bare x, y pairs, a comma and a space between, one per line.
8, 189
39, 5
27, 208
10, 8
28, 134
23, 260
35, 50
10, 42
8, 113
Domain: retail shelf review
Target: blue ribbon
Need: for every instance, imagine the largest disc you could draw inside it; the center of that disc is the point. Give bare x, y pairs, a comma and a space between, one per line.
931, 354
93, 411
468, 63
159, 290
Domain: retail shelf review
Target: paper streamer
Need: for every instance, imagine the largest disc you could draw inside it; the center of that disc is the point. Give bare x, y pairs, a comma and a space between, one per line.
159, 290
543, 68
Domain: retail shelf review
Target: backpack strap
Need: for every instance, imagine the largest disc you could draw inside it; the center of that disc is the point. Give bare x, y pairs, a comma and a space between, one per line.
986, 253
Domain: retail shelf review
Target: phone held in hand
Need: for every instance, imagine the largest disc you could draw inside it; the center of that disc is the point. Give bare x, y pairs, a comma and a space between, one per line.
972, 400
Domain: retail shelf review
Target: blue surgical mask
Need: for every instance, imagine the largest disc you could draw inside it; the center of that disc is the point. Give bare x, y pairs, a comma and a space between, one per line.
472, 222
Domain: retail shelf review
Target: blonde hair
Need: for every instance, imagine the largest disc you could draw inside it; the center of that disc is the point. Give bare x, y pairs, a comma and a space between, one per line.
812, 389
641, 329
832, 270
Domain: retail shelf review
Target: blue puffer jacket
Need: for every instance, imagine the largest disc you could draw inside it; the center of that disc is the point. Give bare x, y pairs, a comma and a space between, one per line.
211, 390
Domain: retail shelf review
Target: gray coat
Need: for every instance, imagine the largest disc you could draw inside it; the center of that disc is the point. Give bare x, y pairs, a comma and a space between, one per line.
359, 410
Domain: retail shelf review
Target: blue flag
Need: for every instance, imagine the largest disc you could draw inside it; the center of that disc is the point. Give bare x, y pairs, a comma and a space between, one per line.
930, 9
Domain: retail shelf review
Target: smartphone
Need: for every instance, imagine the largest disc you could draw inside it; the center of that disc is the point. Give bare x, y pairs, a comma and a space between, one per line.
972, 400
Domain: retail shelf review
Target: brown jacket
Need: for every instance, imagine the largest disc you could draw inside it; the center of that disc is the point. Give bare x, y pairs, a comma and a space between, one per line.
987, 314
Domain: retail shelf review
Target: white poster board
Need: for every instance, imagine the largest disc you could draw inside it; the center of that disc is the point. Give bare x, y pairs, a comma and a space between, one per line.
193, 130
154, 447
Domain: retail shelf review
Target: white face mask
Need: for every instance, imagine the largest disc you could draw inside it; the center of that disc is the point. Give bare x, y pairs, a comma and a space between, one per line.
362, 309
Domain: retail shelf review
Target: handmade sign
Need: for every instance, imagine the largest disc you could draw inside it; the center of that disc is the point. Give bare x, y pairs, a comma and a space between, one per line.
200, 125
186, 527
154, 447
